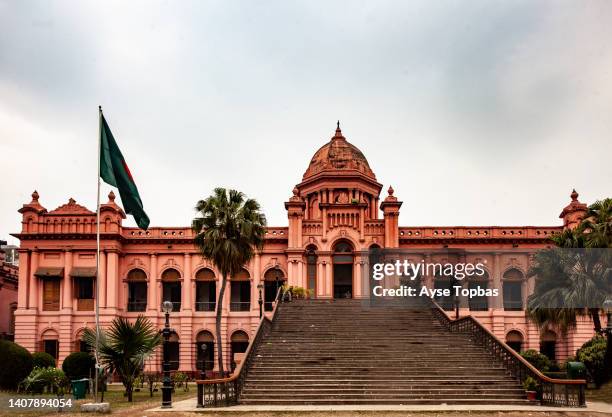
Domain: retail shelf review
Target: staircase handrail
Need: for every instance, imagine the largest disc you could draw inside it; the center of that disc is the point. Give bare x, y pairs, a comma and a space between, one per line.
514, 362
226, 391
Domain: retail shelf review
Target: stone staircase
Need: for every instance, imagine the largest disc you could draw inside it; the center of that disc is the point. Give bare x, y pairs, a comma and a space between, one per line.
344, 352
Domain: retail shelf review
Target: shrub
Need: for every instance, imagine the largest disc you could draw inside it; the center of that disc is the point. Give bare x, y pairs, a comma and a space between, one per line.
592, 354
538, 360
43, 360
530, 384
180, 379
79, 365
53, 379
16, 364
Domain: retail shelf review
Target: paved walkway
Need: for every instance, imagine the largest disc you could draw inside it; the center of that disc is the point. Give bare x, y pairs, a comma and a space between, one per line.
190, 406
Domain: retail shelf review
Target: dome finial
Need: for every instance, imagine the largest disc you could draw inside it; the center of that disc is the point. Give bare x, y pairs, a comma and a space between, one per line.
574, 195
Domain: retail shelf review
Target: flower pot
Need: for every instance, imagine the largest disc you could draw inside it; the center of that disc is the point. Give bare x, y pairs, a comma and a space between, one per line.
532, 396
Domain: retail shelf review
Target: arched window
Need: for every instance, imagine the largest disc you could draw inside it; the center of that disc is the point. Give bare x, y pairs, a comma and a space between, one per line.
548, 344
479, 283
311, 269
240, 287
273, 280
79, 343
205, 351
137, 290
513, 290
514, 339
50, 343
171, 288
206, 290
239, 343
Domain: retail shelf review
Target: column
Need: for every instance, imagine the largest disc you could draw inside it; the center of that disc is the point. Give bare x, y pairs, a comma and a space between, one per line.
67, 284
22, 287
498, 322
357, 279
112, 279
256, 279
300, 265
34, 295
320, 279
329, 287
152, 302
497, 302
186, 304
103, 281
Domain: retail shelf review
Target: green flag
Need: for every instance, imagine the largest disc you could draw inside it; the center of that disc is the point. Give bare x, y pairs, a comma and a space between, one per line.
114, 171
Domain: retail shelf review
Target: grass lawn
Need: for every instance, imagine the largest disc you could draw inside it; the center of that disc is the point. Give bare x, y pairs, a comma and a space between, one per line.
114, 395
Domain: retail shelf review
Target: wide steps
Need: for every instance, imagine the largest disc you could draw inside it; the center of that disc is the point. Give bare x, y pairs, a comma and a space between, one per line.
344, 352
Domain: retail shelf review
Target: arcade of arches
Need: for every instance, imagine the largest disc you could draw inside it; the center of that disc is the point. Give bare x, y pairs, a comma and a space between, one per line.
335, 215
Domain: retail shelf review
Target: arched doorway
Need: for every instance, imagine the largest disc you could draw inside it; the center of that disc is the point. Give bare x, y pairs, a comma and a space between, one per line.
273, 280
239, 342
514, 339
205, 356
343, 270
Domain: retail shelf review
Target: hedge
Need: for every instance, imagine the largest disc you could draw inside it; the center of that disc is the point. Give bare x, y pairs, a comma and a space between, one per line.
16, 364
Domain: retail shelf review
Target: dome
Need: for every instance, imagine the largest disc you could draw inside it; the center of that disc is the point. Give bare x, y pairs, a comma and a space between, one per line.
338, 154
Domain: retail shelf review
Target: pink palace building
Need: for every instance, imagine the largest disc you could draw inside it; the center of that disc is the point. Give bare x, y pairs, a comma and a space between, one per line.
337, 208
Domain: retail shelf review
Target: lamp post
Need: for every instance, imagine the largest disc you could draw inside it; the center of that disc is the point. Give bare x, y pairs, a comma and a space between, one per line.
260, 287
167, 382
200, 400
607, 305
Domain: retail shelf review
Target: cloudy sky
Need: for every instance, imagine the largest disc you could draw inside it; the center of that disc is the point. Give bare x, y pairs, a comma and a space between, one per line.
477, 112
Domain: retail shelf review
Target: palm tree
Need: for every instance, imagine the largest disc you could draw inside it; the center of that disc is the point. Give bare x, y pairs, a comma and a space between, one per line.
569, 283
124, 347
228, 228
597, 225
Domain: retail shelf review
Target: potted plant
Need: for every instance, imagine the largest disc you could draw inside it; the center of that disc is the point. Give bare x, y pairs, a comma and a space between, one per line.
531, 386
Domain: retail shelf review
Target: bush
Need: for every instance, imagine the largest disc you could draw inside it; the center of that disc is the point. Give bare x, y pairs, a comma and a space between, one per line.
53, 379
16, 364
43, 360
538, 360
592, 354
79, 365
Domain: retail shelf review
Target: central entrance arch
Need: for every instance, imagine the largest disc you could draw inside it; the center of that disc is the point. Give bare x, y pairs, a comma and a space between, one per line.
343, 270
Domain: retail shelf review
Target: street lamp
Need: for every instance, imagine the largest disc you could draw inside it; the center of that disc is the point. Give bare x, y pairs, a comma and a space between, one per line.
167, 382
200, 403
260, 287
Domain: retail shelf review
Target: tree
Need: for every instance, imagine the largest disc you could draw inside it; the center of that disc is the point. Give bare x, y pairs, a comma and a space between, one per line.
569, 283
597, 225
228, 228
576, 282
124, 347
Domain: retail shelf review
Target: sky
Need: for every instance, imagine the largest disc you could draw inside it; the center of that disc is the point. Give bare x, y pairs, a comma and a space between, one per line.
476, 112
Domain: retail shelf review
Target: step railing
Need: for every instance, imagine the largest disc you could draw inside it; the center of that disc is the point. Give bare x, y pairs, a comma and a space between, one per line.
554, 392
224, 392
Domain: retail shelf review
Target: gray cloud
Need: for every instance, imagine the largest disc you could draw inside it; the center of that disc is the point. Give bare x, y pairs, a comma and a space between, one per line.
480, 112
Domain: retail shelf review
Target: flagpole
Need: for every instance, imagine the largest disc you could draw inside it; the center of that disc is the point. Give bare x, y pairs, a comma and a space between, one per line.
97, 368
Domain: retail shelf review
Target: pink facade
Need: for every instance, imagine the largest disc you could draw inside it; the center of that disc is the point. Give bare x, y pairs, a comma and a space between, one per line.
8, 296
336, 207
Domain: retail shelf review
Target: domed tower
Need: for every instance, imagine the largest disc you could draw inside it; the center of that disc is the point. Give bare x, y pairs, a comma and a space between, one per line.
334, 210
